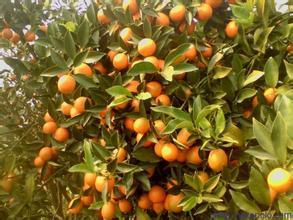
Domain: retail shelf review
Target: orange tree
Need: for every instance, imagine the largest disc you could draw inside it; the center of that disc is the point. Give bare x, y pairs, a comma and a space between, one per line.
149, 109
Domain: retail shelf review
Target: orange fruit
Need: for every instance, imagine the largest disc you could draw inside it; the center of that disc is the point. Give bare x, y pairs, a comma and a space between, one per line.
128, 123
247, 113
30, 36
7, 33
162, 19
186, 27
61, 134
203, 176
157, 194
183, 136
15, 38
153, 60
158, 207
122, 105
108, 210
111, 54
204, 12
54, 153
6, 182
159, 125
74, 112
146, 143
120, 61
39, 162
207, 52
99, 66
132, 86
87, 200
146, 47
65, 108
280, 180
101, 181
254, 102
131, 5
170, 152
232, 1
270, 95
158, 147
154, 88
136, 16
102, 18
182, 156
66, 84
217, 160
141, 125
74, 210
49, 127
161, 64
190, 54
231, 29
83, 69
192, 156
163, 100
126, 34
121, 155
89, 179
144, 202
79, 104
214, 3
172, 183
173, 202
177, 13
124, 206
46, 153
43, 28
135, 105
150, 171
122, 189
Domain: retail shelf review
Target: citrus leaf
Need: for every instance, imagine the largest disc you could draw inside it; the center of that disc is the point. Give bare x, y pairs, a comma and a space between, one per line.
271, 70
252, 77
244, 203
142, 68
175, 54
69, 45
173, 112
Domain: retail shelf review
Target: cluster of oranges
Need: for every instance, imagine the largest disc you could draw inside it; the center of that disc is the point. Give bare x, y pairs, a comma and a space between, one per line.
8, 34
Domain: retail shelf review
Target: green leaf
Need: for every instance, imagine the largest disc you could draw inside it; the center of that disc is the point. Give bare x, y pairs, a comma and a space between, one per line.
173, 112
96, 205
245, 93
221, 72
175, 54
85, 81
285, 204
88, 157
96, 37
118, 101
279, 137
263, 137
80, 57
145, 155
289, 68
212, 183
258, 187
206, 111
168, 73
80, 168
147, 28
196, 108
201, 208
271, 70
234, 134
83, 33
58, 59
252, 77
259, 153
193, 181
210, 198
101, 152
260, 38
220, 122
70, 26
69, 45
94, 56
175, 124
118, 91
143, 96
216, 58
143, 178
141, 215
91, 14
188, 203
29, 187
184, 68
142, 68
127, 168
244, 203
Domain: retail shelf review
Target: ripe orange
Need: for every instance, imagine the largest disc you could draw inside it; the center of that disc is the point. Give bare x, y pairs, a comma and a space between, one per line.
158, 147
132, 86
217, 160
122, 105
66, 84
161, 64
121, 155
177, 13
183, 136
108, 210
74, 210
128, 123
144, 202
54, 153
87, 200
126, 34
170, 152
158, 207
99, 66
204, 12
49, 127
102, 18
131, 4
124, 206
101, 181
154, 60
182, 156
111, 54
270, 95
203, 176
163, 100
74, 112
154, 88
30, 36
207, 52
83, 69
79, 104
43, 28
146, 47
7, 33
280, 180
231, 29
186, 27
190, 54
193, 157
141, 125
172, 202
122, 189
162, 19
157, 194
159, 125
61, 134
214, 3
89, 179
39, 162
232, 1
46, 153
247, 113
6, 182
65, 108
135, 105
120, 61
254, 102
15, 38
